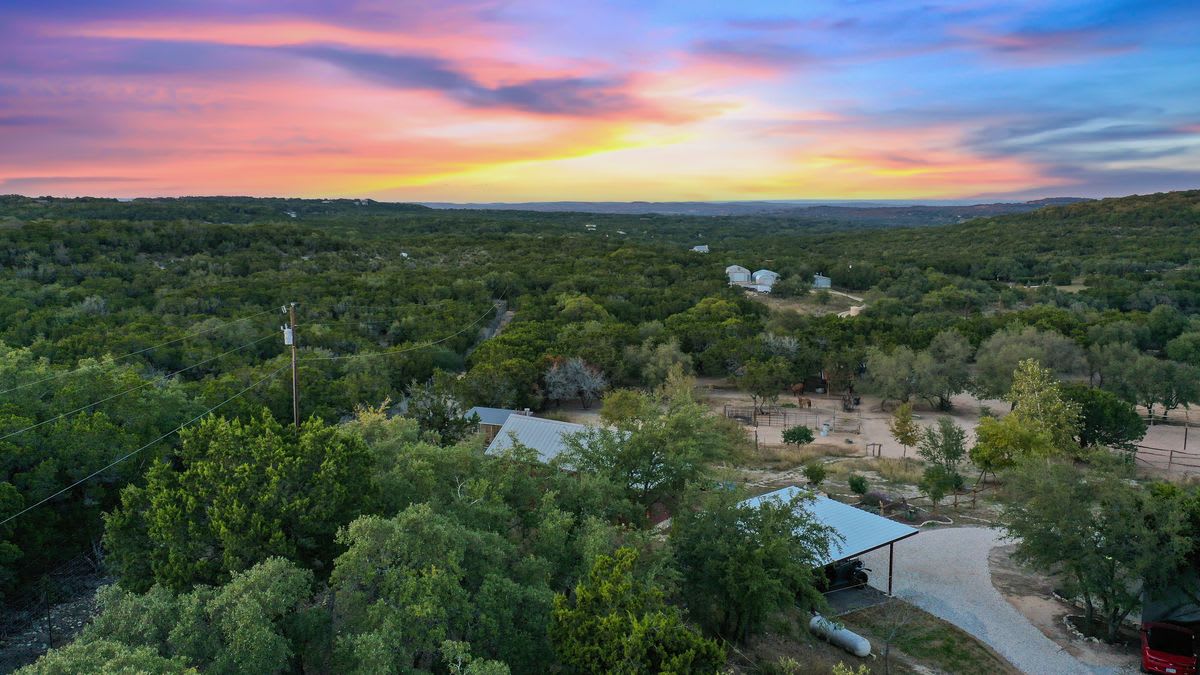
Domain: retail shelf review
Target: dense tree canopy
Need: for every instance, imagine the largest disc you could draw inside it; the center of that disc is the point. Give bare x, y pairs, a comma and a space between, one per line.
239, 492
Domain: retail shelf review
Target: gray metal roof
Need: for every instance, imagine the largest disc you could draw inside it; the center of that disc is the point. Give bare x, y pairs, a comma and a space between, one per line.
540, 434
862, 531
496, 416
736, 268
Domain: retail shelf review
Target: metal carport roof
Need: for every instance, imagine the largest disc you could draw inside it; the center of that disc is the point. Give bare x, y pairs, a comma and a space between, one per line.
861, 531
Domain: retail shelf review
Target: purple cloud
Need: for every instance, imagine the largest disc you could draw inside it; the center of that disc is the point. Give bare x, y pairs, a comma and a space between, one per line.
551, 96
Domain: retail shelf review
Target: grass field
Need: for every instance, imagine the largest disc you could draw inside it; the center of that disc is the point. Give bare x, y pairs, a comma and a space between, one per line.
923, 639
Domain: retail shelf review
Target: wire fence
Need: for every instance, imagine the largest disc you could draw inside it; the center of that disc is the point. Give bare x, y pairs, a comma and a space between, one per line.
774, 416
1170, 459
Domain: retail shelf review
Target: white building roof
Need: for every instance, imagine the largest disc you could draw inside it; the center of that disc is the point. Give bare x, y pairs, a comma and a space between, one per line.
537, 433
861, 530
765, 273
736, 269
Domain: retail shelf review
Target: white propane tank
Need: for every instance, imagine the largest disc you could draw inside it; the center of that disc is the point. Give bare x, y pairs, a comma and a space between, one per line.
846, 639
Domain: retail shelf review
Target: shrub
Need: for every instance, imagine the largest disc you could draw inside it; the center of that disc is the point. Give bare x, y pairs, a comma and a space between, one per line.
858, 484
798, 435
815, 472
876, 498
938, 482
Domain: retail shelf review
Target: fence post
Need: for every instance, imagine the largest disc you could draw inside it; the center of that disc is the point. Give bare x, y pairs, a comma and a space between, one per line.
1170, 458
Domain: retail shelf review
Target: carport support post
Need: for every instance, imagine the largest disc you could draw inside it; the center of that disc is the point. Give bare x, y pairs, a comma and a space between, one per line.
891, 554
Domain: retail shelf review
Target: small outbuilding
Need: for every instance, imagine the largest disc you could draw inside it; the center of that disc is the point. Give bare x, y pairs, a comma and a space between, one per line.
702, 248
859, 531
822, 281
765, 277
737, 274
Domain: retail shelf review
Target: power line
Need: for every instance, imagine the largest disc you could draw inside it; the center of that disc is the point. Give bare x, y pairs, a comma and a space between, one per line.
140, 351
127, 455
408, 349
143, 385
347, 322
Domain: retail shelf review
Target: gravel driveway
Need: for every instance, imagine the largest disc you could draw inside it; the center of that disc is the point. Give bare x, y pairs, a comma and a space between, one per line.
945, 572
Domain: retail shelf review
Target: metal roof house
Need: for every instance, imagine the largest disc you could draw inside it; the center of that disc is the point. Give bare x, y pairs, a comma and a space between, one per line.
492, 419
702, 248
496, 416
822, 281
860, 531
737, 274
537, 433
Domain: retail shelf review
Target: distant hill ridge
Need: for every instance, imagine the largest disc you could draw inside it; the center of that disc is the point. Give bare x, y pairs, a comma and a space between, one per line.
221, 209
206, 209
865, 212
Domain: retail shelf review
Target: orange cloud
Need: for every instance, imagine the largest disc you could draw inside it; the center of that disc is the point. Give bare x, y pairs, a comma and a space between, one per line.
278, 138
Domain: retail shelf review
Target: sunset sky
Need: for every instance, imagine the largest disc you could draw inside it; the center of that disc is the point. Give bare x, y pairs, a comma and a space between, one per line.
572, 100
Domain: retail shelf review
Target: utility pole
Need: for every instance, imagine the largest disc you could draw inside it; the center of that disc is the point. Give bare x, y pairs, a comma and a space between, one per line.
289, 340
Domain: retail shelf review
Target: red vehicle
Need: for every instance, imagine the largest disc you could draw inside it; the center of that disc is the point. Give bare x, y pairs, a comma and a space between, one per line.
1168, 648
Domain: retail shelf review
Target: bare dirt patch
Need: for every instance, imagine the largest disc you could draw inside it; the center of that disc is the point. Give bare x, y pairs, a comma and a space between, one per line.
808, 305
870, 418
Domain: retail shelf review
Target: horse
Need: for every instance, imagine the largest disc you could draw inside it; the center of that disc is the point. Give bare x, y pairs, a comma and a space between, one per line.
798, 392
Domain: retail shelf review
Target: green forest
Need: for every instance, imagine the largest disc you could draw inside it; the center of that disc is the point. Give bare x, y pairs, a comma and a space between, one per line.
146, 416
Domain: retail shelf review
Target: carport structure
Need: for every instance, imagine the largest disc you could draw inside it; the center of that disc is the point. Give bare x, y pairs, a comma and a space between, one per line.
860, 531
